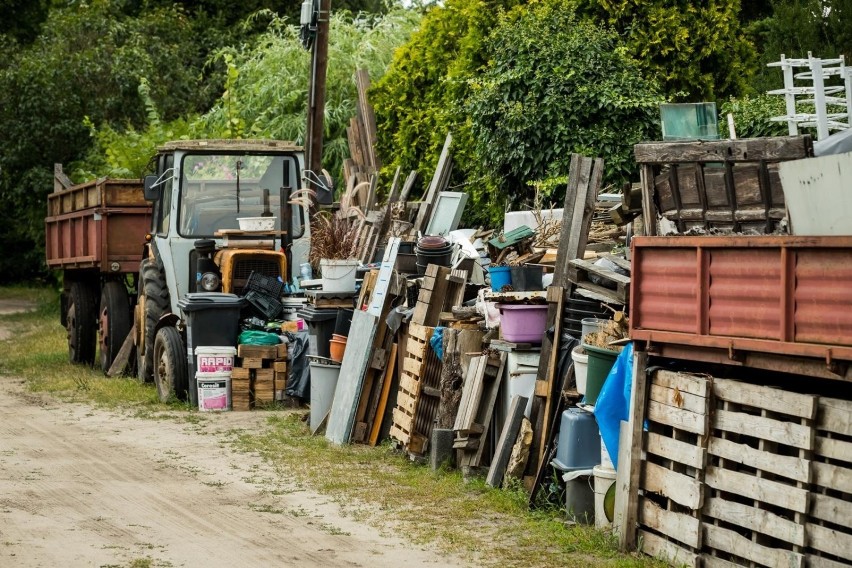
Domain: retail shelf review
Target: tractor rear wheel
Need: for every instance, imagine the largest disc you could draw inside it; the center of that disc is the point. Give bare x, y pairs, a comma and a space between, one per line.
170, 368
153, 304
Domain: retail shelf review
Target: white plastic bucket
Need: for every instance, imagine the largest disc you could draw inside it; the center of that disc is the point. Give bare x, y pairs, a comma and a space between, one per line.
323, 384
581, 368
214, 391
604, 479
338, 275
219, 359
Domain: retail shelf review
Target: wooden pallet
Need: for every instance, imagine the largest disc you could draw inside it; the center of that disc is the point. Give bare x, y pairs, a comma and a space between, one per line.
678, 416
441, 291
479, 395
410, 385
580, 272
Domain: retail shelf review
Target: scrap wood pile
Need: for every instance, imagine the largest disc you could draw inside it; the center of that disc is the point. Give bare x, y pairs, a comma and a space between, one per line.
428, 351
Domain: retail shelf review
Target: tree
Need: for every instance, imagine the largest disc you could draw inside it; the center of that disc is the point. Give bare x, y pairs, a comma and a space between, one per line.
697, 50
554, 85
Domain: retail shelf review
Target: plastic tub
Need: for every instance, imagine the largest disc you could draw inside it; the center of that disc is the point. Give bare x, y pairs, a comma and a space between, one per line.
338, 275
523, 323
323, 384
256, 223
592, 325
600, 363
214, 391
500, 276
579, 445
215, 359
581, 368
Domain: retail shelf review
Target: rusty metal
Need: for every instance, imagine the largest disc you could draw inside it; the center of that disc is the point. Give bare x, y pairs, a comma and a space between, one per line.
782, 295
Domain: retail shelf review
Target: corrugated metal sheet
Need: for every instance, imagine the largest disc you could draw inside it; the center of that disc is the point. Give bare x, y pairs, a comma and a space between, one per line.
771, 294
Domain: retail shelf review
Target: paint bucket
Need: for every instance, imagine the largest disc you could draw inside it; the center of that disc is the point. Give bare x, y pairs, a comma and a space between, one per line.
338, 275
323, 384
215, 359
604, 496
214, 391
581, 368
523, 323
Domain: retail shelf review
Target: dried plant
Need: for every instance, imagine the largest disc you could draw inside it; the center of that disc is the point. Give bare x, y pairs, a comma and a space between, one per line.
335, 236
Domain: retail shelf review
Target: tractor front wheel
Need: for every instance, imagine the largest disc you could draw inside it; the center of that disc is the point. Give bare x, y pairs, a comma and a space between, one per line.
170, 365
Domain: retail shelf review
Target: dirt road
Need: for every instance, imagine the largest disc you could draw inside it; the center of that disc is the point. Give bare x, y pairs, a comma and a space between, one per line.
89, 487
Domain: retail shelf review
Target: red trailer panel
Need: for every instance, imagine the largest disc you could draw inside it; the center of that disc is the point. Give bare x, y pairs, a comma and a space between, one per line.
770, 294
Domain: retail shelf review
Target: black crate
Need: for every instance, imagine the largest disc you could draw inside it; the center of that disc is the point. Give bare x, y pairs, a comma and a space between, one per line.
267, 285
267, 306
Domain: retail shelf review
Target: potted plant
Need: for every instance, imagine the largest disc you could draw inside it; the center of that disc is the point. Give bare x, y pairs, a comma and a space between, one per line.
335, 240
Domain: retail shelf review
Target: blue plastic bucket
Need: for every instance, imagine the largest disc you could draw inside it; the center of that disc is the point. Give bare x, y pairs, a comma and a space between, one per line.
500, 276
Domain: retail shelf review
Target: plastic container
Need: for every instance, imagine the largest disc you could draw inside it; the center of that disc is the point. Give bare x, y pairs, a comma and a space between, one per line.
338, 275
579, 445
606, 461
256, 223
604, 496
581, 368
218, 359
323, 384
600, 363
212, 320
320, 327
343, 322
523, 323
500, 276
527, 278
592, 325
214, 391
689, 121
580, 499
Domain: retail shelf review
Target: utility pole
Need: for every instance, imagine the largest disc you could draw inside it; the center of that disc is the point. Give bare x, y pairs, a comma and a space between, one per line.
316, 91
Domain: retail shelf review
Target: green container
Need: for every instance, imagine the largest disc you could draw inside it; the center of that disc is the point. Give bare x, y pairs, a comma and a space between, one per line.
689, 121
600, 364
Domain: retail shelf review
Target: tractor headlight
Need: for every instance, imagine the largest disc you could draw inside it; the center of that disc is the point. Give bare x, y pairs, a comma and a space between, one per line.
210, 281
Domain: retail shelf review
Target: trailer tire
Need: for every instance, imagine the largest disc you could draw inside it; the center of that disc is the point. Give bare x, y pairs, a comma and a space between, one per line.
170, 368
82, 326
153, 304
113, 321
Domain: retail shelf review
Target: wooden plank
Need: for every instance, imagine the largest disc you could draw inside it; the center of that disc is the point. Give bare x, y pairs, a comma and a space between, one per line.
698, 385
708, 561
123, 356
404, 421
486, 409
791, 467
755, 519
591, 268
832, 476
680, 488
506, 442
362, 81
257, 351
829, 540
658, 547
745, 150
421, 332
580, 195
835, 415
649, 209
788, 433
353, 370
677, 418
681, 527
764, 490
475, 372
381, 290
831, 509
412, 366
379, 411
733, 543
833, 448
438, 183
675, 450
814, 561
767, 398
630, 460
546, 373
679, 400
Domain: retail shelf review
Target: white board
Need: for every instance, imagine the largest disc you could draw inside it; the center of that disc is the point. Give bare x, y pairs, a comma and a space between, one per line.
818, 193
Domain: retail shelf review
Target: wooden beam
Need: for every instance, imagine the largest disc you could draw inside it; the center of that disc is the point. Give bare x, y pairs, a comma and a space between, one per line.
508, 436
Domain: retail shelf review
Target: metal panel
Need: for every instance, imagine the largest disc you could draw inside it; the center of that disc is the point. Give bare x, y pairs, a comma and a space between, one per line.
823, 296
668, 296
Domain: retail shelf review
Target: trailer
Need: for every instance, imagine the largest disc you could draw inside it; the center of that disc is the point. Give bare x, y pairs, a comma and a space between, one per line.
95, 234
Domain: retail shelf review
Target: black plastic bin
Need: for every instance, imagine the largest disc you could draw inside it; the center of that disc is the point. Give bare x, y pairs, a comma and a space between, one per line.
320, 328
212, 320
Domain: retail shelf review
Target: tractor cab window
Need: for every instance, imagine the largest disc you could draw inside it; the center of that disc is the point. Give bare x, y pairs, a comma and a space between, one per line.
218, 189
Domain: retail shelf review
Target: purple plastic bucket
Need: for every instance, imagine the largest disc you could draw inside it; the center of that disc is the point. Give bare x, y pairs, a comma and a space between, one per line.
523, 323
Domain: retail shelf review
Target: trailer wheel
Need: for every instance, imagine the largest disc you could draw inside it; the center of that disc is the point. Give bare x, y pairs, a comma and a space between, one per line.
113, 321
82, 323
153, 304
170, 374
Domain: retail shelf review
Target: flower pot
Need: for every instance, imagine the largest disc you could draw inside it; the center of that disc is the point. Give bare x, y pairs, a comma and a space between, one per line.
600, 364
338, 275
336, 348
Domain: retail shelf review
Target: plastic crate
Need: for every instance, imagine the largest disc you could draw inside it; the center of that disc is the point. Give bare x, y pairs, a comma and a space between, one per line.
269, 307
267, 285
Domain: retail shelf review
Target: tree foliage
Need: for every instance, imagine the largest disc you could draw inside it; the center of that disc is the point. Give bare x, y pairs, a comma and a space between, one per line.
555, 85
696, 50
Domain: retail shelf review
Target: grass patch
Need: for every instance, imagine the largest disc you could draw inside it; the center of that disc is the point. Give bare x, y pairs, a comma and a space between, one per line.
376, 486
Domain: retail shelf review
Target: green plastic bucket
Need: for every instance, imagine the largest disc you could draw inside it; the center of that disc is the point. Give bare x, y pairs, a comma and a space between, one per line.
600, 364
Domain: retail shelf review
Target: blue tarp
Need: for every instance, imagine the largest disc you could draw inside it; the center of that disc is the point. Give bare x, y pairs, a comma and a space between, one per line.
613, 403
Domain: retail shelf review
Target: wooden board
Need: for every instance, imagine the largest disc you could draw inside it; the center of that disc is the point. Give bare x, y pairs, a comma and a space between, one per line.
508, 436
383, 398
668, 551
384, 278
356, 360
438, 183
